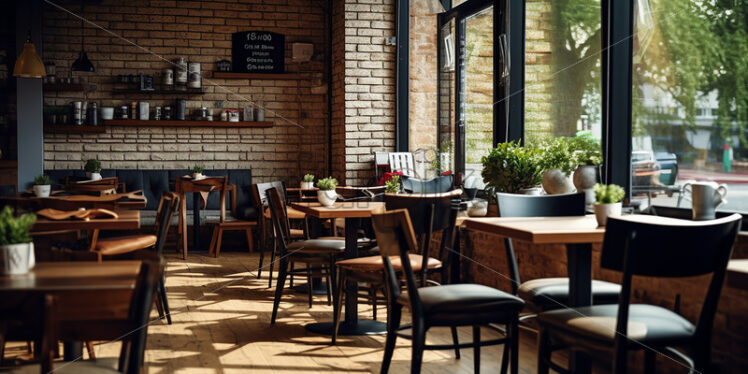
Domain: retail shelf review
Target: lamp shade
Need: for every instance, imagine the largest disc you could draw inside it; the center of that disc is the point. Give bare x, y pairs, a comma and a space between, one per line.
29, 65
82, 63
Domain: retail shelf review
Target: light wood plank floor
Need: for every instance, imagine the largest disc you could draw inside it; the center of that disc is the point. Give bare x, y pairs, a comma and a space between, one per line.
221, 315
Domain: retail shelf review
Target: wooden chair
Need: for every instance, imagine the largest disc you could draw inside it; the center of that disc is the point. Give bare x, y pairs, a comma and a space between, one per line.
203, 186
651, 247
449, 305
318, 254
232, 225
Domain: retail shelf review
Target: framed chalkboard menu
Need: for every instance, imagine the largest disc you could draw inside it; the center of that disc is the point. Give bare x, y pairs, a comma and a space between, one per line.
258, 52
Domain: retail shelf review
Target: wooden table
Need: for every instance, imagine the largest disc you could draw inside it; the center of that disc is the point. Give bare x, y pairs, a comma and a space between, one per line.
352, 212
200, 188
78, 286
127, 220
737, 274
299, 193
117, 201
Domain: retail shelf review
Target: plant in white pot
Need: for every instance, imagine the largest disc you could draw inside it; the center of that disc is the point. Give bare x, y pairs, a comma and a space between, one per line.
608, 201
93, 169
326, 194
197, 172
307, 182
42, 185
16, 247
557, 159
393, 185
512, 168
588, 157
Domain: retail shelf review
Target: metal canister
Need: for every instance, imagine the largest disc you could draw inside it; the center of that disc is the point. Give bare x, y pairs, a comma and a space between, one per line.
181, 108
195, 79
167, 112
93, 115
134, 110
157, 114
203, 112
180, 74
124, 112
144, 111
76, 107
168, 78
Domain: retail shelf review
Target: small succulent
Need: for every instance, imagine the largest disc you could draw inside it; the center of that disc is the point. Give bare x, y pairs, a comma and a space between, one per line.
609, 194
198, 169
93, 166
393, 185
327, 184
308, 178
15, 230
42, 180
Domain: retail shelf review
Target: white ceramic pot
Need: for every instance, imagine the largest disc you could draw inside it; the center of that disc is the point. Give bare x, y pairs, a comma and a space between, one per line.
197, 176
16, 258
603, 211
556, 182
42, 190
327, 198
93, 176
585, 178
477, 208
307, 185
530, 191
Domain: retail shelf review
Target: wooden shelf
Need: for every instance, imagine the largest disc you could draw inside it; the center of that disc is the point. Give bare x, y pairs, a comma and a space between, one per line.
71, 87
132, 122
73, 129
129, 91
231, 75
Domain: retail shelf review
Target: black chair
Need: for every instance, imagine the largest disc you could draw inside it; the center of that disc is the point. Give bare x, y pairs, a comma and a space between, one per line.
652, 247
318, 254
439, 184
547, 293
447, 305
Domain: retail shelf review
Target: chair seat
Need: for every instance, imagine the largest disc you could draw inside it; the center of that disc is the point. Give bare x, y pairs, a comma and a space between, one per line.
292, 213
471, 303
375, 263
317, 246
104, 366
553, 293
647, 323
125, 244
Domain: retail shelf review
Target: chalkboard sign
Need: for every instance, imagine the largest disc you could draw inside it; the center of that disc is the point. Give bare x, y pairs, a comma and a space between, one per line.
258, 52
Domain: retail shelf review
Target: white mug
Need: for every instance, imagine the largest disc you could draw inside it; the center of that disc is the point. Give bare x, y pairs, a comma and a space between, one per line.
705, 198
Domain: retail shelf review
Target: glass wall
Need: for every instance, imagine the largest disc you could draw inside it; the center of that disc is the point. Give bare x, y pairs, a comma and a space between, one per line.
690, 99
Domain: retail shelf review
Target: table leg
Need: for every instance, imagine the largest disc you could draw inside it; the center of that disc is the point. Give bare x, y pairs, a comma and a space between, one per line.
183, 225
72, 350
579, 257
196, 220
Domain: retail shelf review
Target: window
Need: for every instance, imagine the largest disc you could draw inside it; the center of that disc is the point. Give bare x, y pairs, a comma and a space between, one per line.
690, 55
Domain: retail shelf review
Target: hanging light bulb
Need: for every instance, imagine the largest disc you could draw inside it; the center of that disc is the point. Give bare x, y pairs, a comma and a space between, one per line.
28, 64
82, 63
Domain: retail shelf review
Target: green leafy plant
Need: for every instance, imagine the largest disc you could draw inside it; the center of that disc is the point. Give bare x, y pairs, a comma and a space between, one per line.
308, 178
511, 168
42, 180
15, 230
557, 153
198, 169
608, 194
93, 166
587, 150
392, 185
327, 184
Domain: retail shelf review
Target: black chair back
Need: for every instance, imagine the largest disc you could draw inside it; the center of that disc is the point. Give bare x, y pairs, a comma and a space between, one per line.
279, 217
167, 206
515, 205
439, 184
658, 247
133, 349
260, 191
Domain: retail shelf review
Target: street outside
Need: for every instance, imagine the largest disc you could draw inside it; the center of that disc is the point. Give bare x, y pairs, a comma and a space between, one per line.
736, 182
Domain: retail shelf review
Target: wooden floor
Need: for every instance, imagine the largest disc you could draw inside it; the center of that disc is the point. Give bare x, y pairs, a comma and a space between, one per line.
221, 315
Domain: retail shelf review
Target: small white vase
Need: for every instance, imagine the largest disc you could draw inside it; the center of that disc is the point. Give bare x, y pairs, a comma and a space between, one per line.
197, 176
327, 197
556, 182
17, 258
603, 211
307, 185
42, 190
93, 176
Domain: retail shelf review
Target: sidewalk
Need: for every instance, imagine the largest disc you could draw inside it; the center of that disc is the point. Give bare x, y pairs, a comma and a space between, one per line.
719, 177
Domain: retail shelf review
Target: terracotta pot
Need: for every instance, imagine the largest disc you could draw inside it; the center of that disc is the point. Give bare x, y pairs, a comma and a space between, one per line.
556, 182
16, 258
603, 211
42, 190
327, 198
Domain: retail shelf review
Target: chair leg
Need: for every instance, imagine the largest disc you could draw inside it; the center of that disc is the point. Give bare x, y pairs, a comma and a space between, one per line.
212, 246
476, 349
250, 240
514, 348
290, 275
90, 350
160, 308
272, 262
328, 278
419, 341
218, 241
373, 296
544, 352
455, 341
309, 289
393, 323
283, 269
164, 300
505, 358
262, 257
337, 305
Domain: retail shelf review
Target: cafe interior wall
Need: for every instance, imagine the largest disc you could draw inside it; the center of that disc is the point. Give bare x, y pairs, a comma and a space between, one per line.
199, 31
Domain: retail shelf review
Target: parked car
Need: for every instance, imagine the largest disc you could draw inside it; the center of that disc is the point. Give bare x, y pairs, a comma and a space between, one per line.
653, 169
668, 167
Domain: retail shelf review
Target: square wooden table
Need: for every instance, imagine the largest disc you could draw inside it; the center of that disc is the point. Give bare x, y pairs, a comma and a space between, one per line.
126, 220
353, 213
737, 274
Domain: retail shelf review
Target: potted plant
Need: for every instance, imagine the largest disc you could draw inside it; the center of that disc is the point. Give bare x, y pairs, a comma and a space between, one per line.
326, 194
512, 168
307, 183
588, 156
607, 201
42, 185
93, 169
16, 247
197, 172
558, 161
393, 185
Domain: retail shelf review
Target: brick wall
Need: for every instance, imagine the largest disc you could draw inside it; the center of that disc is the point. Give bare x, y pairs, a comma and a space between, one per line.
423, 73
538, 79
199, 31
363, 118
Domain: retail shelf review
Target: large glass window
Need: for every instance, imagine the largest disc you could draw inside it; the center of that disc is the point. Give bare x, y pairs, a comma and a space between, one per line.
690, 99
562, 68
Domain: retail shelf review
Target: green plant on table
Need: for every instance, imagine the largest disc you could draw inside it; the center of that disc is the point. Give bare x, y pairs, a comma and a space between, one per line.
558, 153
93, 166
308, 178
609, 194
42, 180
15, 230
198, 169
511, 168
586, 150
392, 185
327, 184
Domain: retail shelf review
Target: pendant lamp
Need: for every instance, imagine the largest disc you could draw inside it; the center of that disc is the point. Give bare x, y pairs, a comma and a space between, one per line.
82, 63
28, 64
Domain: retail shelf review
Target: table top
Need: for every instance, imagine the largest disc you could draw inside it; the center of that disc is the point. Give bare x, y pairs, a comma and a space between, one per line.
75, 276
353, 209
130, 200
737, 274
127, 220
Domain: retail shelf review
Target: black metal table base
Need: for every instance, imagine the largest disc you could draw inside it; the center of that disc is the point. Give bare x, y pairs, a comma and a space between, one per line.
318, 288
362, 327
